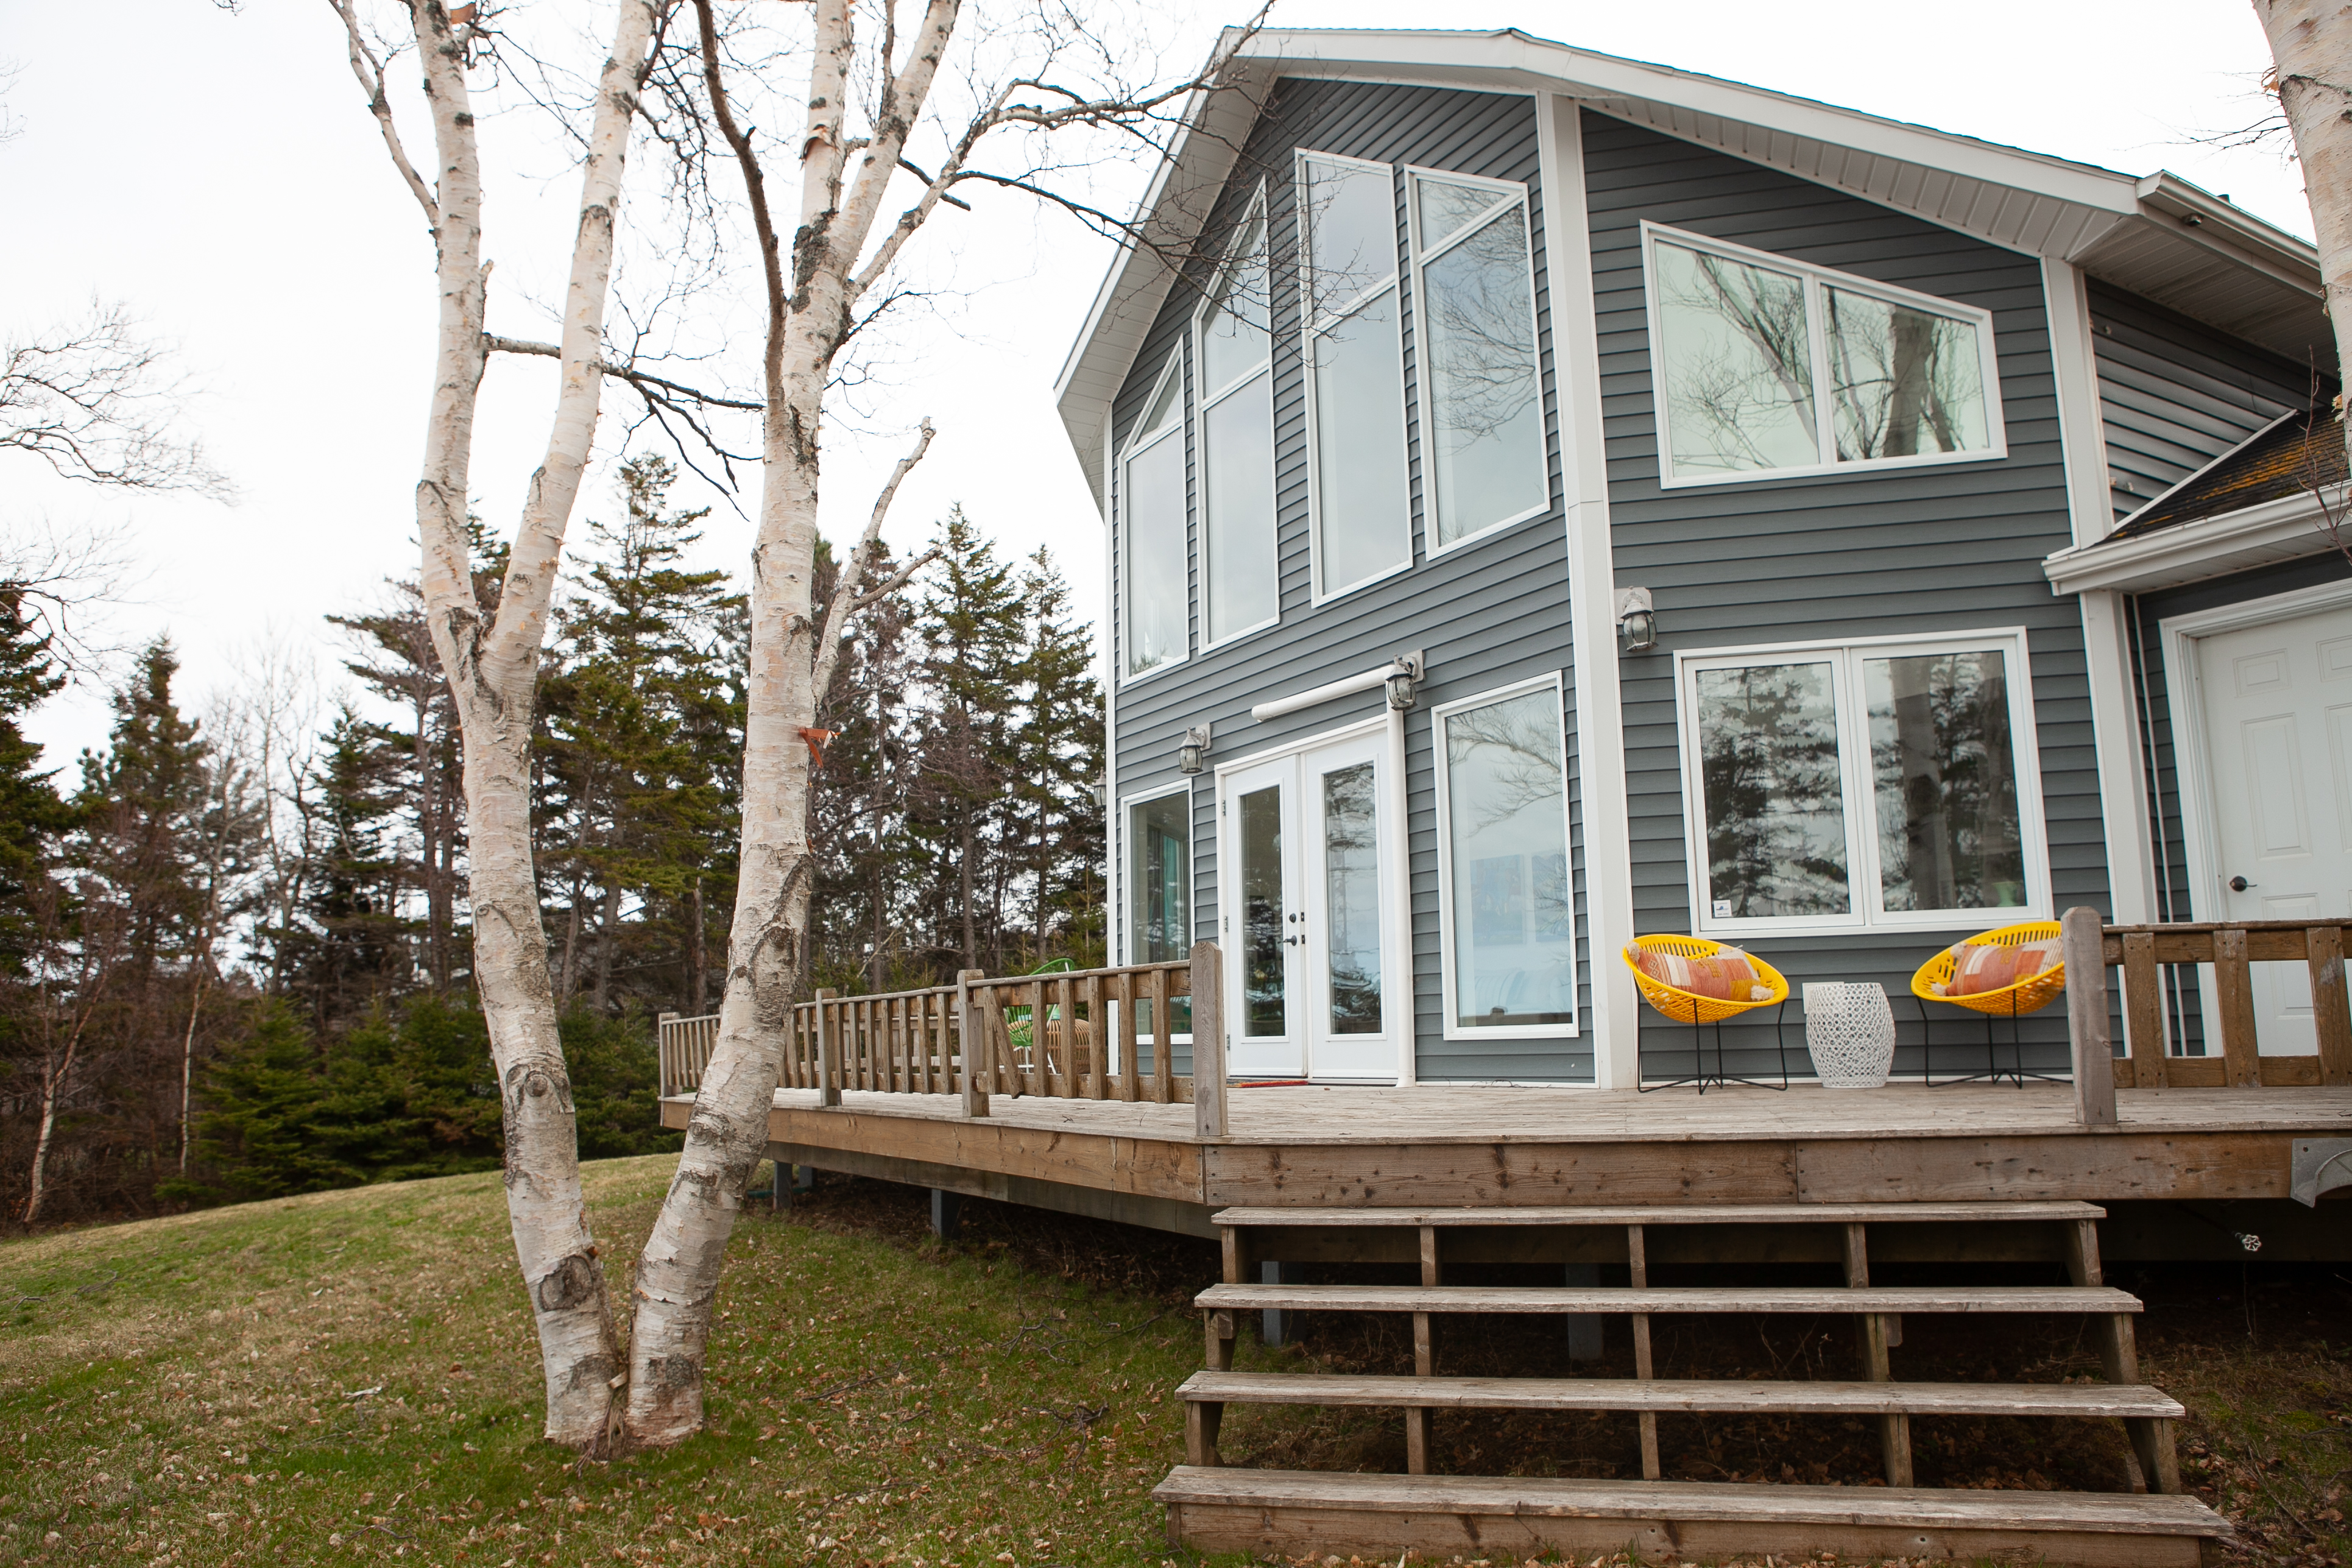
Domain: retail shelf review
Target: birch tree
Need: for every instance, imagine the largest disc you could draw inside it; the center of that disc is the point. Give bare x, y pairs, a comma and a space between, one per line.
822, 281
2311, 51
490, 654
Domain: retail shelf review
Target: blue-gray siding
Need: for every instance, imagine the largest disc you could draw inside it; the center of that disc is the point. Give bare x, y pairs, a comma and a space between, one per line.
1489, 615
2175, 394
1887, 552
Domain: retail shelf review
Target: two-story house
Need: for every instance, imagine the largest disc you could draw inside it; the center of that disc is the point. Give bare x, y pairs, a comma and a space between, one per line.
1553, 499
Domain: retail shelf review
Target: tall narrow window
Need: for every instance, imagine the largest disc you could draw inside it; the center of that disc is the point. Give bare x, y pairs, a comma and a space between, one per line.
1765, 365
1482, 388
1152, 507
1510, 923
1363, 515
1879, 785
1159, 896
1237, 444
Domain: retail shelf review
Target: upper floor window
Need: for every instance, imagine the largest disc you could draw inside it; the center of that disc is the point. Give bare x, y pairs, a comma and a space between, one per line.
1481, 386
1155, 594
1764, 366
1240, 582
1362, 514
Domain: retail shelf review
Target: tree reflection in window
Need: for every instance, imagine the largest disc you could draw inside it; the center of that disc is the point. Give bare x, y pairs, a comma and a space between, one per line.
1738, 364
1507, 827
1486, 389
1352, 897
1949, 831
1775, 840
1905, 381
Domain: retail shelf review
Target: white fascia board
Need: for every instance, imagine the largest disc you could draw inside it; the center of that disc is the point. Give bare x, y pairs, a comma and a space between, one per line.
2282, 530
2220, 226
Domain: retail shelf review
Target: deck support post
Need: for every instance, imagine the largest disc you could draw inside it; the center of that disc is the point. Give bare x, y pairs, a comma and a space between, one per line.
2083, 947
1425, 1360
828, 1047
1271, 1319
2155, 1460
1208, 1043
947, 1213
1873, 1338
1637, 1274
971, 1042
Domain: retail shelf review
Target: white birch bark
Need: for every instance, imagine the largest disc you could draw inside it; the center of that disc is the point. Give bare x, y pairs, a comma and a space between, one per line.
2311, 46
493, 670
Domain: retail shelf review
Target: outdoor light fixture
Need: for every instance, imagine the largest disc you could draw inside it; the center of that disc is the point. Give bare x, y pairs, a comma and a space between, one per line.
1637, 620
1195, 746
1404, 676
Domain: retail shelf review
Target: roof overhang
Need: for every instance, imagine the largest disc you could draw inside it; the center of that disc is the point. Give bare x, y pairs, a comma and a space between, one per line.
2287, 528
2159, 237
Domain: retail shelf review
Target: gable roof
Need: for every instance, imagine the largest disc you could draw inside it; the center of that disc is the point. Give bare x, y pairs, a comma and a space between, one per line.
2158, 237
2292, 456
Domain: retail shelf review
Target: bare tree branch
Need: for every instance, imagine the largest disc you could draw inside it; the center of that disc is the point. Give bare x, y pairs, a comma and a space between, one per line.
847, 587
370, 70
493, 343
96, 402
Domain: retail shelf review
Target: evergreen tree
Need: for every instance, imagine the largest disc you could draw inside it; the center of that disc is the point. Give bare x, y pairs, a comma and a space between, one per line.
353, 954
32, 814
1058, 770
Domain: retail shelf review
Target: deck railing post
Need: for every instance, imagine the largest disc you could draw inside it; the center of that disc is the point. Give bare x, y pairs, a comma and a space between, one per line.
1208, 1042
828, 1049
2083, 945
971, 1039
662, 1033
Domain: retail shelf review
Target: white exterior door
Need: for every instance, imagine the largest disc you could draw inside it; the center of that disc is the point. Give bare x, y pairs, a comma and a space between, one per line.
2276, 706
1310, 905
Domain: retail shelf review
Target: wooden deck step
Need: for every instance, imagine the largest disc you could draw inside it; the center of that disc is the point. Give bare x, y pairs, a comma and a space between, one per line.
1667, 1213
1294, 1512
1723, 1396
1658, 1299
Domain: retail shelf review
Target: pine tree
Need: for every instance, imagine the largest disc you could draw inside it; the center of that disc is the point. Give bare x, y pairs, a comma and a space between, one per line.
353, 954
32, 814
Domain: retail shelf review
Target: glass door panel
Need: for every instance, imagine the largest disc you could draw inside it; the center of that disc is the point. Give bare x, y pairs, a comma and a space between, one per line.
1257, 815
1360, 1003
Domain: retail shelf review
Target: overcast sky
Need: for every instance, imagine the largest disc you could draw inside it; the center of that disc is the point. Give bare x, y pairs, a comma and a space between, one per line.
217, 172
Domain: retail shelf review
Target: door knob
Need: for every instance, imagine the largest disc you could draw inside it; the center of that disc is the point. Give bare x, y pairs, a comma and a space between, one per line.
2239, 884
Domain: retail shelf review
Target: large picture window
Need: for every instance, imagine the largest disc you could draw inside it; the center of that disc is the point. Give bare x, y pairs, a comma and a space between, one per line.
1763, 366
1509, 914
1481, 386
1240, 576
1153, 588
1362, 517
1880, 783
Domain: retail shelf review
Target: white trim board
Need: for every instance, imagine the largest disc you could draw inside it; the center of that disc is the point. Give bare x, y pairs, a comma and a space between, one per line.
1603, 816
2288, 529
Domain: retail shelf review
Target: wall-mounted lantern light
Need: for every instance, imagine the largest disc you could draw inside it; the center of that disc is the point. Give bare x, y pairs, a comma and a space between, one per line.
1404, 676
1637, 620
1195, 746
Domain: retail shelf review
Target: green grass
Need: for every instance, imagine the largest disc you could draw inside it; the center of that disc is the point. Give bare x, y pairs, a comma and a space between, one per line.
191, 1389
352, 1376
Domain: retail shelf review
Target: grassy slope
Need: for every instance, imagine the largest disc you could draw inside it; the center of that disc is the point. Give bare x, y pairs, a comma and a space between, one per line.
186, 1386
188, 1390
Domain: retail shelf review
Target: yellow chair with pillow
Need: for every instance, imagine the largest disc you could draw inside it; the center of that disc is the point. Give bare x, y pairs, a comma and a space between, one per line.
2002, 973
1694, 980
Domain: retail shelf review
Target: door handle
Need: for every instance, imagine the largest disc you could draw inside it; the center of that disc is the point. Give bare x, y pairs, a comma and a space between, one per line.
2239, 884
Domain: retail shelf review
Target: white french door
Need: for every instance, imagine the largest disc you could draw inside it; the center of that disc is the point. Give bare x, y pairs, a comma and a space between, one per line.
2276, 705
1310, 904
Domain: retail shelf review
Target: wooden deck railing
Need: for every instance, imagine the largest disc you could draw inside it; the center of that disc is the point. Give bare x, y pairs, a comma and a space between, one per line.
1085, 1035
2229, 949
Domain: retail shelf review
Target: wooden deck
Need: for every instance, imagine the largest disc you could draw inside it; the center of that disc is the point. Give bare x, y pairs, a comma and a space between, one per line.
1453, 1146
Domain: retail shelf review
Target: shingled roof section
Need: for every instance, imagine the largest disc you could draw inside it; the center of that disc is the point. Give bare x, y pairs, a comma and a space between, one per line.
2290, 458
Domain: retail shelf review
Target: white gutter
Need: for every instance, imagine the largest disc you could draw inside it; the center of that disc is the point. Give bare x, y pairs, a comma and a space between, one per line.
2283, 530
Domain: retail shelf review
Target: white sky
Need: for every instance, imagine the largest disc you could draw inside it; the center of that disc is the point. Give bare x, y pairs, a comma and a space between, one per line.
226, 183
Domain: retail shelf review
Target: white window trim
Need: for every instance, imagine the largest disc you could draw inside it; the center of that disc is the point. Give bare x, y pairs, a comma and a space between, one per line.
1257, 211
1181, 431
1311, 324
1815, 279
1454, 1029
1504, 192
1862, 872
1120, 831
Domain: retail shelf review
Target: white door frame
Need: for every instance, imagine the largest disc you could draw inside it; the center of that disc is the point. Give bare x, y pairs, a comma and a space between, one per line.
1396, 939
2184, 692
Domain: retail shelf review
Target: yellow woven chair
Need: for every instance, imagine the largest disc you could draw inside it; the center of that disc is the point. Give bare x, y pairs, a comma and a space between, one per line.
2014, 1002
1687, 1007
